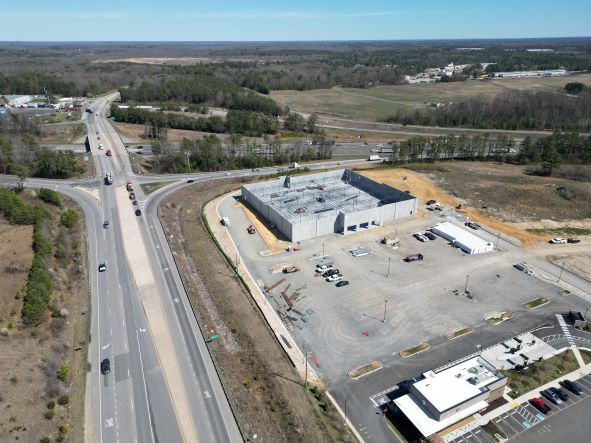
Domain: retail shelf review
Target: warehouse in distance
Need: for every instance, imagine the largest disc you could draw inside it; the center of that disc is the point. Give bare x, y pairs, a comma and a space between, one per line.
341, 201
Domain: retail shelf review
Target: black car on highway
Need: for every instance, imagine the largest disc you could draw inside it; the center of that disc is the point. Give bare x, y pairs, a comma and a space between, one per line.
102, 267
105, 366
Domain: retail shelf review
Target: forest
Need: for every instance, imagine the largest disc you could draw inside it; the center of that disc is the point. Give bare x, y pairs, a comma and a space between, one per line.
211, 154
240, 122
81, 68
510, 110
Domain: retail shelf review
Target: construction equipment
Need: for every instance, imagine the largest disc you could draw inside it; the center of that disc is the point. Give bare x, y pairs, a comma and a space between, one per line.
250, 229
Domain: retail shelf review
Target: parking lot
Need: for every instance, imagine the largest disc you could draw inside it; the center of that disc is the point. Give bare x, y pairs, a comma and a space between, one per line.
524, 416
389, 305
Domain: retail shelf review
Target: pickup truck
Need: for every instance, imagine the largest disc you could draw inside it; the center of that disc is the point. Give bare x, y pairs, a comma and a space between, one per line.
558, 241
420, 236
290, 269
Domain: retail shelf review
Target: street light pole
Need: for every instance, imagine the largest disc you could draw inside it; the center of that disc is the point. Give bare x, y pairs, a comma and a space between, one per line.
389, 261
385, 305
561, 269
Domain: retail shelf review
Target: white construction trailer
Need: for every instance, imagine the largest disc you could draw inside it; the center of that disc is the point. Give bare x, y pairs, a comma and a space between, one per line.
460, 238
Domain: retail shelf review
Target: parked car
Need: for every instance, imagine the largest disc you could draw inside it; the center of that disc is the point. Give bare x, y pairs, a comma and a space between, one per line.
472, 225
190, 180
522, 266
573, 240
106, 224
558, 241
330, 272
132, 196
420, 236
323, 268
135, 202
572, 387
105, 366
430, 235
138, 212
342, 283
414, 257
550, 395
102, 267
561, 393
334, 277
539, 404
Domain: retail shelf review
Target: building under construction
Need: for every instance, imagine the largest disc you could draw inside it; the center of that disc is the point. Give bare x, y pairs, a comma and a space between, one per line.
341, 201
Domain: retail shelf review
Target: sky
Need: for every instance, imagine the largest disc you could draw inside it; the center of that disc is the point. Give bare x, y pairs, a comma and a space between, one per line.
288, 20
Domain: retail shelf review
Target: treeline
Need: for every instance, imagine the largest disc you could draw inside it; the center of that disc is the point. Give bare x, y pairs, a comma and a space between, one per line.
511, 110
239, 122
40, 282
31, 83
27, 158
211, 154
549, 152
199, 89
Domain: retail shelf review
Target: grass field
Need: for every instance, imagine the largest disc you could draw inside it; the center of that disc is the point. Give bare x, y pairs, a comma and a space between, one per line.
381, 101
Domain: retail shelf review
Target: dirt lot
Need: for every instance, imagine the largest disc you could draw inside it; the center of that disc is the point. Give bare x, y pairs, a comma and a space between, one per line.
33, 402
378, 102
579, 263
62, 133
498, 195
263, 387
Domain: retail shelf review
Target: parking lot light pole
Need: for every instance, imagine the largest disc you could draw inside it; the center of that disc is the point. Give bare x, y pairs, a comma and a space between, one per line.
467, 277
385, 304
389, 261
479, 347
561, 269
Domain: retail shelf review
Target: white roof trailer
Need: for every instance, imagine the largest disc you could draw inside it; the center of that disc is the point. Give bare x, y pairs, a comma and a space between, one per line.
462, 239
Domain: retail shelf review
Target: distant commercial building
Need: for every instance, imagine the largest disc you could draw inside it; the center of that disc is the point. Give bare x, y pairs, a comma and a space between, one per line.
526, 74
443, 398
462, 239
308, 206
17, 100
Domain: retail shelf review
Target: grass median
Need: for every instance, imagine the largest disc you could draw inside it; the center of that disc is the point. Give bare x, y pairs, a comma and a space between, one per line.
539, 373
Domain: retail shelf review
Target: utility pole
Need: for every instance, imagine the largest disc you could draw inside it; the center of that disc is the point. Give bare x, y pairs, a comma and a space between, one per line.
323, 250
389, 261
385, 304
561, 269
466, 288
498, 237
345, 410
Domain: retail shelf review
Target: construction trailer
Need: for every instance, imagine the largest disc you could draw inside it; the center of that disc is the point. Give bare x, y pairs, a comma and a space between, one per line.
309, 206
460, 238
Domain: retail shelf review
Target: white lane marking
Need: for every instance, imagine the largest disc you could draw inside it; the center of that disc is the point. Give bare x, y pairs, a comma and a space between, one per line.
176, 300
207, 394
142, 330
106, 346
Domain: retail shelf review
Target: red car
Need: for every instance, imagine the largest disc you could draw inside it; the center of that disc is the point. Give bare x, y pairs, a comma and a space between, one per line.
539, 404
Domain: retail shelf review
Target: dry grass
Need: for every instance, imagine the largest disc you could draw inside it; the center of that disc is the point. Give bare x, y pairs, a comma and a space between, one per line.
365, 369
31, 356
412, 351
375, 103
500, 196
